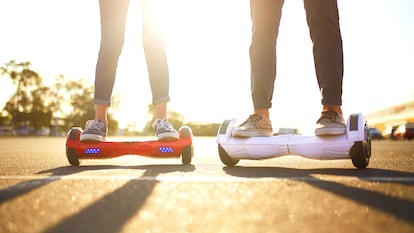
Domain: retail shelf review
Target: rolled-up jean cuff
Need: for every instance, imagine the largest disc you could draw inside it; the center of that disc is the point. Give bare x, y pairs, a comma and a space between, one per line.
102, 102
162, 99
262, 106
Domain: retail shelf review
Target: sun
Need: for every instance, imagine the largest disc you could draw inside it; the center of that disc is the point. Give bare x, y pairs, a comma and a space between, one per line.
157, 12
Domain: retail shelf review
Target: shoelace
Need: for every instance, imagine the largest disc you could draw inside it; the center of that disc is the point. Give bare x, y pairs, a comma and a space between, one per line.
164, 125
161, 124
254, 118
332, 115
94, 125
329, 114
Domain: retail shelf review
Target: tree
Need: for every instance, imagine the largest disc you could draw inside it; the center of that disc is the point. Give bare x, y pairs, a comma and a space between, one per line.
35, 106
5, 118
27, 106
58, 104
41, 112
21, 75
79, 94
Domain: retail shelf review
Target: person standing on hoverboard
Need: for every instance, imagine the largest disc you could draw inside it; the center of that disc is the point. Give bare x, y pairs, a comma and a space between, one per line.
113, 15
323, 22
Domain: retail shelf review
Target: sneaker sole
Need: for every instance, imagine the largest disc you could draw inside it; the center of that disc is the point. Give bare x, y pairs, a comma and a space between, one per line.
329, 132
251, 134
91, 137
168, 136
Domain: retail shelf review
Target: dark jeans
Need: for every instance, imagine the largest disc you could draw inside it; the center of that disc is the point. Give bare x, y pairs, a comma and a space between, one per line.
113, 20
323, 22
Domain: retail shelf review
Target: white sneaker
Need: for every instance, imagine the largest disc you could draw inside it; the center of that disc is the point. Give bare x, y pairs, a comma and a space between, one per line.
95, 130
164, 130
254, 126
330, 123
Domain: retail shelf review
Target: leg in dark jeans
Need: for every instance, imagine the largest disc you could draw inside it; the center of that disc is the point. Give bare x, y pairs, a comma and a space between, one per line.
113, 20
265, 16
323, 21
153, 39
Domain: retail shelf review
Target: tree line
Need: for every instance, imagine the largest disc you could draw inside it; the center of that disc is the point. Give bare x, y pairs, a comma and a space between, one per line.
65, 103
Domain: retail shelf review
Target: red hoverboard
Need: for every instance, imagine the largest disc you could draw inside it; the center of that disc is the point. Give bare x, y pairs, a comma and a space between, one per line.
76, 150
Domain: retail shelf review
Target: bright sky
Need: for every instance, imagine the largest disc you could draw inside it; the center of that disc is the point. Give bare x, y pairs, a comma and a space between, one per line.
207, 48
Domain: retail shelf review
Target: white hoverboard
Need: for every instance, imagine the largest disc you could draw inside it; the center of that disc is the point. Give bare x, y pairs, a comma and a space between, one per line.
355, 144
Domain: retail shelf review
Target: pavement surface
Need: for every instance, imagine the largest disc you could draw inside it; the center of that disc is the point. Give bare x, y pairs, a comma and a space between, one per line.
41, 192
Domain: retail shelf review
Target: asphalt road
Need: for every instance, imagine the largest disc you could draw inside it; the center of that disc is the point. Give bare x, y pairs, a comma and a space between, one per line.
41, 192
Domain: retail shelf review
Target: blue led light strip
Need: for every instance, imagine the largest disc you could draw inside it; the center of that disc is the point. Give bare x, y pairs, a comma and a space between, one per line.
92, 151
166, 149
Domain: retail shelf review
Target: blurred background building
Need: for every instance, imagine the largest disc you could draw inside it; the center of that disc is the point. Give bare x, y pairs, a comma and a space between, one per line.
396, 122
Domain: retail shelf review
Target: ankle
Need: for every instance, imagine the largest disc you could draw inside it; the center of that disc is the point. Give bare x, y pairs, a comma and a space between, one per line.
103, 121
263, 113
101, 113
335, 108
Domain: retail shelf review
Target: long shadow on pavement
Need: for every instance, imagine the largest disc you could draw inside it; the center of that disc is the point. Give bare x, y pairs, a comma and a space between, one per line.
400, 208
112, 211
24, 187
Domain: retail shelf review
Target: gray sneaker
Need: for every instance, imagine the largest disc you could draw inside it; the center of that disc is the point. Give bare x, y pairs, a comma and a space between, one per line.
95, 130
254, 126
164, 130
330, 123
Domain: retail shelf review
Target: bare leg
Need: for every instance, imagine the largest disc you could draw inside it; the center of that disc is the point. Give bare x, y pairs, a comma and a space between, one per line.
160, 110
101, 113
263, 112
